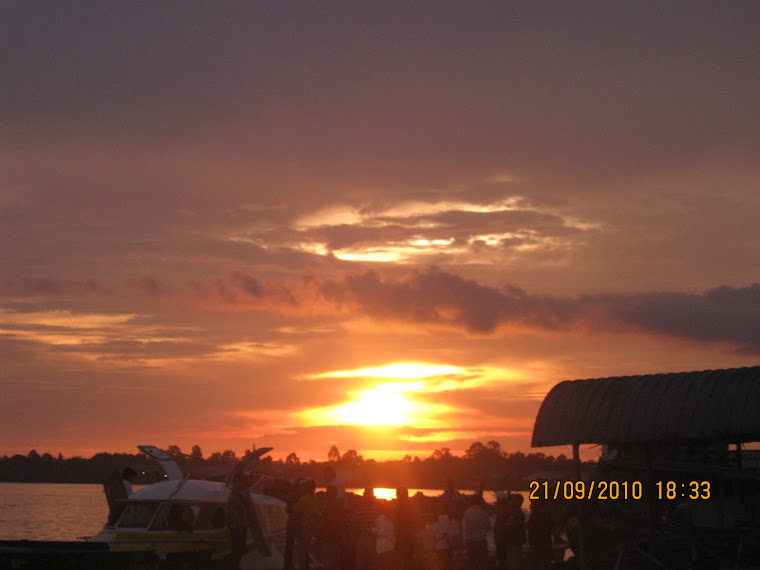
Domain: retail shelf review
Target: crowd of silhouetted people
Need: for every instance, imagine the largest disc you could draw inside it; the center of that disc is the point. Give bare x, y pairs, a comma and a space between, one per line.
343, 531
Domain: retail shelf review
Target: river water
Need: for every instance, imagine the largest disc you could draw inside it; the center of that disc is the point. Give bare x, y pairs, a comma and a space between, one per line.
50, 511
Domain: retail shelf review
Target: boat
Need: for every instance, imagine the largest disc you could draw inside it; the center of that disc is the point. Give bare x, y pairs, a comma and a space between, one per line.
180, 516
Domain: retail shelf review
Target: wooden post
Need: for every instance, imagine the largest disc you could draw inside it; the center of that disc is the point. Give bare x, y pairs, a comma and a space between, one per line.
651, 511
582, 562
722, 498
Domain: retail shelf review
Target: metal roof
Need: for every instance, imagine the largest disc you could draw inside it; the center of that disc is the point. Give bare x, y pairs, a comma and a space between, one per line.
706, 406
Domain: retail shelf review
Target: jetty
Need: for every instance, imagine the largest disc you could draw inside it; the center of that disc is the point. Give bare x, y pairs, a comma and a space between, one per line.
675, 443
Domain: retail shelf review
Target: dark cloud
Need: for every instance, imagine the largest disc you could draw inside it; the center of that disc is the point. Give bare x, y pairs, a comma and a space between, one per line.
434, 296
150, 286
725, 314
248, 284
51, 287
244, 290
438, 297
740, 299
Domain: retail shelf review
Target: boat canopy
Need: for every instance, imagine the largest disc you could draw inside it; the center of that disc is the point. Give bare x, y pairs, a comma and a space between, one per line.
711, 406
194, 490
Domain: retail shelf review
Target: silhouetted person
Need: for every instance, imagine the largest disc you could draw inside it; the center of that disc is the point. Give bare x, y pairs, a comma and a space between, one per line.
408, 522
500, 522
509, 532
540, 526
333, 530
447, 538
118, 487
361, 525
181, 518
217, 519
475, 526
241, 516
306, 512
292, 528
677, 531
239, 509
385, 537
453, 499
331, 478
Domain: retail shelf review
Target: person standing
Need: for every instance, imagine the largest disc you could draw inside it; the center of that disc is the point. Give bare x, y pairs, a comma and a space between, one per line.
291, 530
331, 478
333, 531
447, 538
509, 532
239, 510
452, 500
241, 516
385, 538
362, 523
540, 526
118, 488
306, 512
475, 527
408, 523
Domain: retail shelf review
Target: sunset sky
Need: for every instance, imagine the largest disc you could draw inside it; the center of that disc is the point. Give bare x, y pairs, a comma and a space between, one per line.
389, 226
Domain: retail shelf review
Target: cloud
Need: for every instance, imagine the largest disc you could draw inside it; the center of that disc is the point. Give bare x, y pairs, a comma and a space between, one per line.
449, 227
433, 296
248, 284
144, 351
50, 287
723, 314
150, 286
242, 290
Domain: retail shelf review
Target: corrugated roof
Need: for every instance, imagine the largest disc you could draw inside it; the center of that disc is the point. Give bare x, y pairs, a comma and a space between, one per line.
707, 406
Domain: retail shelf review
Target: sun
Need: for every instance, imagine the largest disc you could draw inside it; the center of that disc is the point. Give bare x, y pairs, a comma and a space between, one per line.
376, 408
400, 402
383, 405
384, 493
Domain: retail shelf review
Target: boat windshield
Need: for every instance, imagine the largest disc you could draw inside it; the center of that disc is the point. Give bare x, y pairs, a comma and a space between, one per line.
189, 516
175, 516
138, 514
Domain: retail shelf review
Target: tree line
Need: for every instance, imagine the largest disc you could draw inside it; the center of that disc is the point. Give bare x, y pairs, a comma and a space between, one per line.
482, 465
